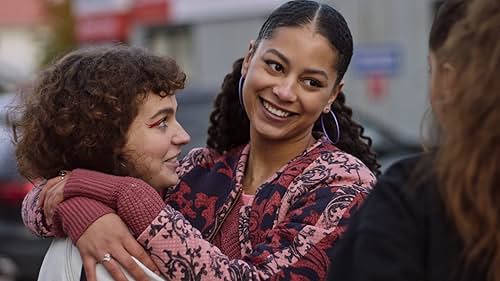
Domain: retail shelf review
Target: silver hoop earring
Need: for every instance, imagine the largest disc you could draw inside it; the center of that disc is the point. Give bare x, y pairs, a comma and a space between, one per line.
240, 91
337, 137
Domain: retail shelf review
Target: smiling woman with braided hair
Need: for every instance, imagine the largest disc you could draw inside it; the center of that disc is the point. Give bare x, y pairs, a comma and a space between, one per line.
284, 170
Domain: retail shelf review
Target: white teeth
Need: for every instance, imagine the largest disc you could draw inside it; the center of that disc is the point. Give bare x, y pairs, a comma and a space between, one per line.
274, 110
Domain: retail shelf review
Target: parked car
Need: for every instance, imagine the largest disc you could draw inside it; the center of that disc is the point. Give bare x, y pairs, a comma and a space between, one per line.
196, 106
386, 143
21, 252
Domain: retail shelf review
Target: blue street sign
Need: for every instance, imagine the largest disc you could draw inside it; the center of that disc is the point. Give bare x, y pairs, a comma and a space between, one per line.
369, 60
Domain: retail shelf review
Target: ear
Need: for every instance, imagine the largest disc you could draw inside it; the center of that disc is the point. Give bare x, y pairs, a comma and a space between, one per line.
248, 58
334, 94
449, 78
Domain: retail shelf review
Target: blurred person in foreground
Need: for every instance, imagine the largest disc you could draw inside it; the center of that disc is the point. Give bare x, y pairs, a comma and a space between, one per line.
285, 168
437, 216
109, 109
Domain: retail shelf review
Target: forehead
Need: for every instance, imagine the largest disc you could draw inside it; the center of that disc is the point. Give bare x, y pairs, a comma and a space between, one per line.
302, 45
153, 102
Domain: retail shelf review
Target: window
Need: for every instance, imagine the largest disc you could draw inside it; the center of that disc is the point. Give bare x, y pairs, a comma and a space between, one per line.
173, 41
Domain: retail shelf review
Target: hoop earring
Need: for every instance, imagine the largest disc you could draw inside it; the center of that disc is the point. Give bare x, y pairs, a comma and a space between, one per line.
240, 91
337, 137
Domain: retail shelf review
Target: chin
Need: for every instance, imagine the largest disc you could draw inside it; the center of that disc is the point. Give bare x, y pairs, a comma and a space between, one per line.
170, 181
163, 182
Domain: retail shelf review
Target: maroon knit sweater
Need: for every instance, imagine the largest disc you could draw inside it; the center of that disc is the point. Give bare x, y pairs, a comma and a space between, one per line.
116, 193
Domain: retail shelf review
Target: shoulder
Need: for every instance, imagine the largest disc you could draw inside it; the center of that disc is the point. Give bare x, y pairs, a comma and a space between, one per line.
345, 167
406, 166
200, 156
409, 175
408, 185
335, 175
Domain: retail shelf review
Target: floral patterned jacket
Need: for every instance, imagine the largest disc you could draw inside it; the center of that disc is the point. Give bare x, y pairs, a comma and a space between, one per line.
287, 233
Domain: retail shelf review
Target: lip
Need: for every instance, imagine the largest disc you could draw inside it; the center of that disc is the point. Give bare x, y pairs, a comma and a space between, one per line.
173, 158
277, 106
271, 118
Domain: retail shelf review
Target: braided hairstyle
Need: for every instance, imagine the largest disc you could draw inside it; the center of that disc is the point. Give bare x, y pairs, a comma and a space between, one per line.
229, 124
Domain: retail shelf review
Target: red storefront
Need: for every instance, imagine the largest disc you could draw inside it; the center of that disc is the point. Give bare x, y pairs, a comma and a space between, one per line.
111, 20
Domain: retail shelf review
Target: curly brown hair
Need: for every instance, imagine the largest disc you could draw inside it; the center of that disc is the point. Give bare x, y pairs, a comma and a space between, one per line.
79, 111
468, 163
229, 124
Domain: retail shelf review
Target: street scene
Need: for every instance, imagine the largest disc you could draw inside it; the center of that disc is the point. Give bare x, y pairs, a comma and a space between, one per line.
203, 51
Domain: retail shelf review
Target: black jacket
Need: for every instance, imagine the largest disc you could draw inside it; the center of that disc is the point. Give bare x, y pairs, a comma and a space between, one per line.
402, 233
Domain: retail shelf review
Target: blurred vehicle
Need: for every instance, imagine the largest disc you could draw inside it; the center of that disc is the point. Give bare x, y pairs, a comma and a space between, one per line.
385, 142
21, 252
196, 106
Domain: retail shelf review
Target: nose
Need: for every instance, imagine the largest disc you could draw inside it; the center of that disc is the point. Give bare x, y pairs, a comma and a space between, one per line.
181, 137
285, 91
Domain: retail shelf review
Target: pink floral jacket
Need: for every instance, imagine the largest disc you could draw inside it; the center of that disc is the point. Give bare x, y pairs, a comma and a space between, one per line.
288, 232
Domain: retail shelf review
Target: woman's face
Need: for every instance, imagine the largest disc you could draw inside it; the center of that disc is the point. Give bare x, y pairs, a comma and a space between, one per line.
289, 81
154, 141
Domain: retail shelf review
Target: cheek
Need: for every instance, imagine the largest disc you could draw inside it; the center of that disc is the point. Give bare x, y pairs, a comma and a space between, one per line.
258, 78
314, 103
156, 147
148, 145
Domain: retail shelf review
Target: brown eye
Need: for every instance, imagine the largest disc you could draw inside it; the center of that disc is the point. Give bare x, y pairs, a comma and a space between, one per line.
313, 83
275, 66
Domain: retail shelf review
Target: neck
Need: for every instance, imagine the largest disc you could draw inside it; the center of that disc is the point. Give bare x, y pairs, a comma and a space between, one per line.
266, 157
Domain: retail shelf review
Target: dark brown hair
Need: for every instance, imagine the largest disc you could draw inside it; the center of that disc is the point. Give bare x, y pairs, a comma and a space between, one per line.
80, 108
448, 15
468, 162
229, 124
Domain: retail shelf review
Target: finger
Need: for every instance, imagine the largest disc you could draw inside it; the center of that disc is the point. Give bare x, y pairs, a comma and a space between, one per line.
52, 199
53, 181
136, 250
41, 197
47, 205
124, 258
46, 187
89, 266
114, 270
46, 208
46, 192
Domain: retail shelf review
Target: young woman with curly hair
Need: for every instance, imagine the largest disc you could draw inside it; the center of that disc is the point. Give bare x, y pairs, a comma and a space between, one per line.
437, 216
107, 109
284, 169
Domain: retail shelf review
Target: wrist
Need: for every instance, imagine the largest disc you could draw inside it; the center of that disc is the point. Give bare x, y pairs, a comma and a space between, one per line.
99, 186
72, 217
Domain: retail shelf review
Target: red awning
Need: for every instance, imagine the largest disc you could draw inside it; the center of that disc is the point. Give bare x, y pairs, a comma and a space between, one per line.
108, 20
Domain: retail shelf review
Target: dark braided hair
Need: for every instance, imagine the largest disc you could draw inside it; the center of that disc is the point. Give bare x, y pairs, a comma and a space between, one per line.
229, 124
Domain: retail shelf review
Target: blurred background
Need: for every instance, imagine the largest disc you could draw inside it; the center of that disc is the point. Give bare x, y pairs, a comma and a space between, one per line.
386, 84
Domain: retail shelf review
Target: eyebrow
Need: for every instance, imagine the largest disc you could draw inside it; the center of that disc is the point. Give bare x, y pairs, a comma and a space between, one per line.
164, 111
287, 61
280, 55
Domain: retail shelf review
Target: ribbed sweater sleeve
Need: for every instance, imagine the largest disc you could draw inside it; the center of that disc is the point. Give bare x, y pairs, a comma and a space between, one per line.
134, 201
74, 216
